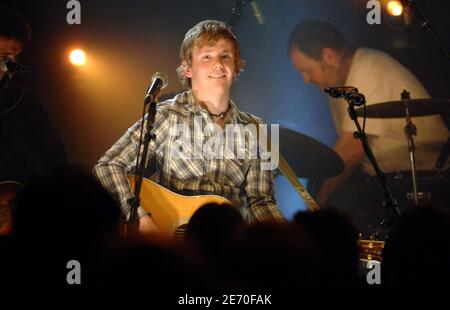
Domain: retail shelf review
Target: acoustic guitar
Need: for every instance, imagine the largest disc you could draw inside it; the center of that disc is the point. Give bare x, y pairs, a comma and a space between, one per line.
171, 211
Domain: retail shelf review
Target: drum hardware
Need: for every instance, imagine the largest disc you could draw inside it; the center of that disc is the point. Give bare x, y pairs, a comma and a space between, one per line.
354, 98
442, 159
398, 175
433, 185
416, 107
410, 131
418, 196
407, 108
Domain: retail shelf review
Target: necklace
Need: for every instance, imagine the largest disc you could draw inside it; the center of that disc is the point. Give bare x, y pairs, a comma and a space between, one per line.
221, 115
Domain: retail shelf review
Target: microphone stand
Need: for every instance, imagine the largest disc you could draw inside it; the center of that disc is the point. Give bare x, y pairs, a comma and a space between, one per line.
427, 25
132, 225
389, 200
4, 83
236, 12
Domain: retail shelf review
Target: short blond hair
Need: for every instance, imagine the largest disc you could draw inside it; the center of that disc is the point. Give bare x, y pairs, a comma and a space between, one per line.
207, 32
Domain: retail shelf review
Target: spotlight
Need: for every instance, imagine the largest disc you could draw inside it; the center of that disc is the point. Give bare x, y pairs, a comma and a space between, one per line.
394, 8
77, 57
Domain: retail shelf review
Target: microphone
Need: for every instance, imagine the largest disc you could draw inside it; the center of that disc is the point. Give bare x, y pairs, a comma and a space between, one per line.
258, 13
10, 66
347, 92
159, 81
338, 92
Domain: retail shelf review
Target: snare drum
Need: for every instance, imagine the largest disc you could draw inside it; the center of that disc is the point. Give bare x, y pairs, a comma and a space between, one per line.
433, 189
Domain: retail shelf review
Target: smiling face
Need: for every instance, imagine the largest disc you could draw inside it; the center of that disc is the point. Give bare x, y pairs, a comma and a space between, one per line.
212, 69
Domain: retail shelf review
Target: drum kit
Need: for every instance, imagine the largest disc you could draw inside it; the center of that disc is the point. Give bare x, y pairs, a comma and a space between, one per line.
410, 188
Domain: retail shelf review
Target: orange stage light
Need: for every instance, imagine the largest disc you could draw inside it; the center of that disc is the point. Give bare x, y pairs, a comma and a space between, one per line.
394, 8
77, 57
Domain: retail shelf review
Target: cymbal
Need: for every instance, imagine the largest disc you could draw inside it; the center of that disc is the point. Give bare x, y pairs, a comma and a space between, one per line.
396, 109
308, 157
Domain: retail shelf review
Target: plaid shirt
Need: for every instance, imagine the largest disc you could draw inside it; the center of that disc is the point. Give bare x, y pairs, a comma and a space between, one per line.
242, 181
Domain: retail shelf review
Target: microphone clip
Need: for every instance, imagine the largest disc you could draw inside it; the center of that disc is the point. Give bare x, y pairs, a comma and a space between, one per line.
10, 67
348, 93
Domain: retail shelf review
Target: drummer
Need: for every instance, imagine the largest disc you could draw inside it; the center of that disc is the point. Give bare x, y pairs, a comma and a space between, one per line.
323, 57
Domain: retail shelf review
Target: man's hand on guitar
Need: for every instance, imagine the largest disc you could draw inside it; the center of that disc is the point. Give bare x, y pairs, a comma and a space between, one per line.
146, 225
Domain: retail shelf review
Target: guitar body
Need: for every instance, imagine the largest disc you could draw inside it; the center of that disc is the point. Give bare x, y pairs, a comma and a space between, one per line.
8, 190
170, 210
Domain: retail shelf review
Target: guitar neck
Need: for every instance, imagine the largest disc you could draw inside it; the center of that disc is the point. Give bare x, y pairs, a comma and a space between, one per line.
298, 186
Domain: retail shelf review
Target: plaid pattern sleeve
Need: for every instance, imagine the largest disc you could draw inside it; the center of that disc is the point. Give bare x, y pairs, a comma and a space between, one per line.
260, 193
259, 186
120, 160
114, 166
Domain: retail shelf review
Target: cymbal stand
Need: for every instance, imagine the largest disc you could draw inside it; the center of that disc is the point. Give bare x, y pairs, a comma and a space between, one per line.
410, 131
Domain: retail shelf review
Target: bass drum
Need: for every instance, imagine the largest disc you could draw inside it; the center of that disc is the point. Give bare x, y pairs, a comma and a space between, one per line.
432, 187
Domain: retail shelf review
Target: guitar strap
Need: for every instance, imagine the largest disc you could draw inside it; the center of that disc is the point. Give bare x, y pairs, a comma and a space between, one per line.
284, 167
